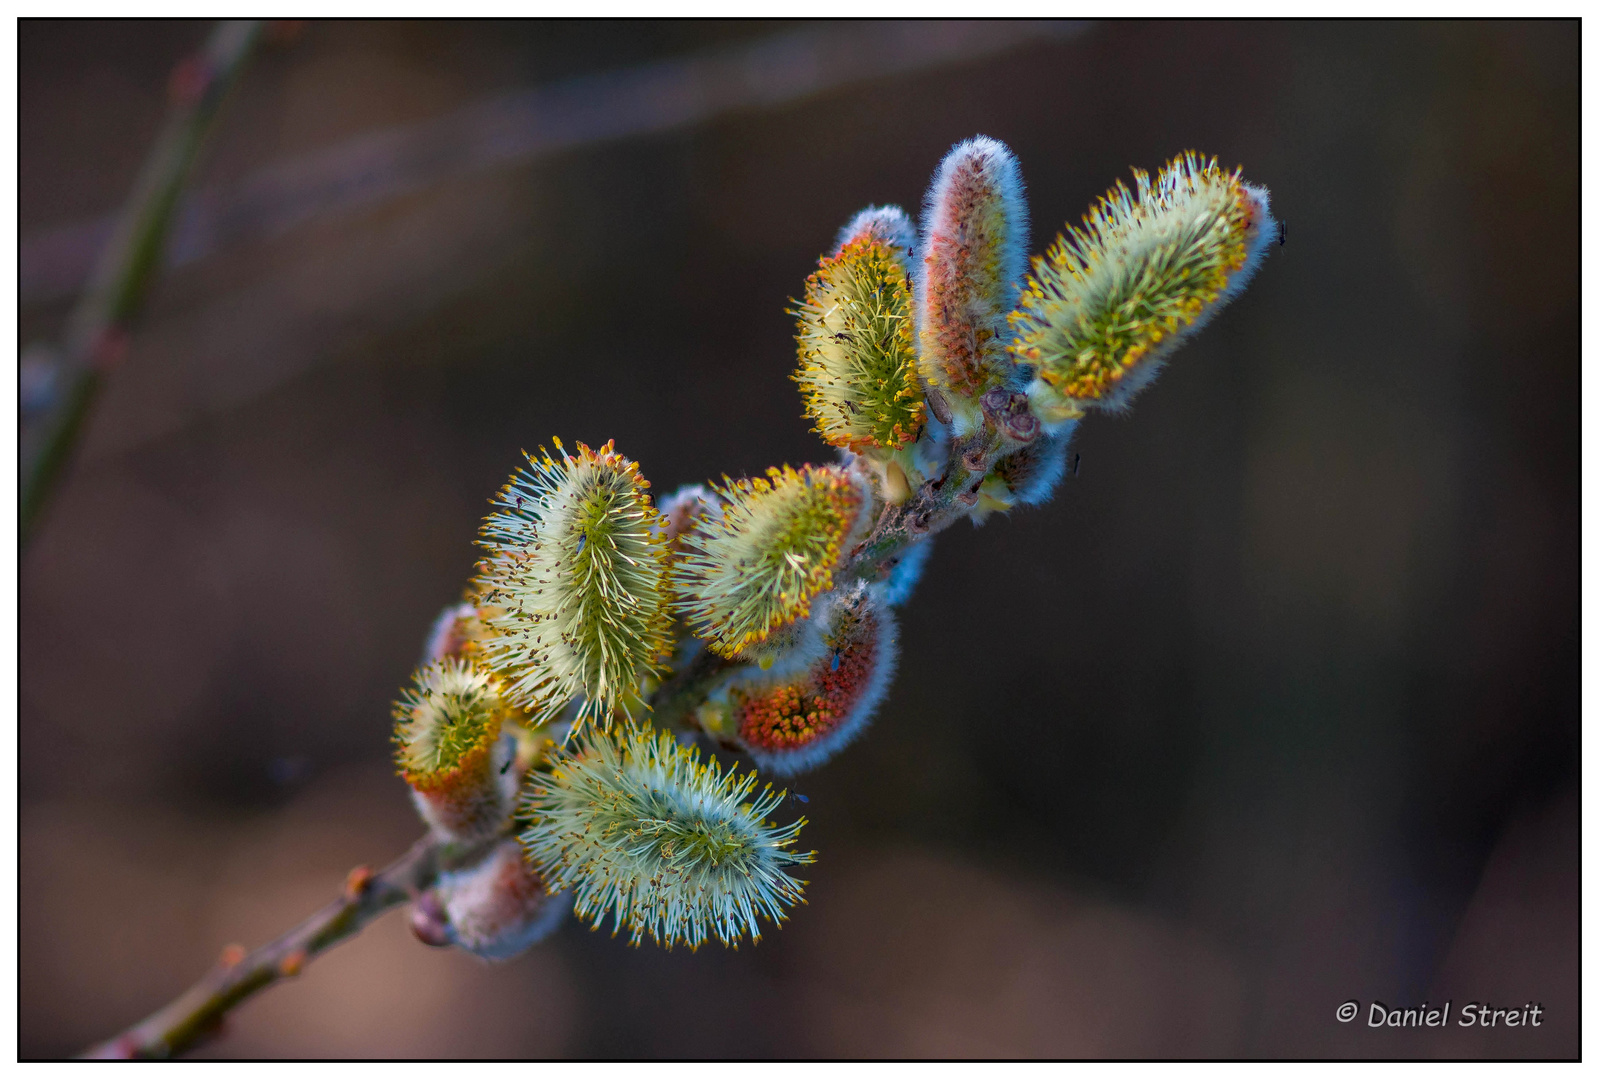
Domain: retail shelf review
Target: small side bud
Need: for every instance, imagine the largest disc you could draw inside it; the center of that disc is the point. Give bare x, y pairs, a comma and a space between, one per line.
896, 485
356, 882
1011, 414
458, 632
495, 909
1107, 303
787, 726
753, 569
452, 748
429, 922
972, 257
577, 566
642, 832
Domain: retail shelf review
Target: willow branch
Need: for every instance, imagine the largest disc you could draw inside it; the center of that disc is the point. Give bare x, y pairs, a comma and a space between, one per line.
198, 1014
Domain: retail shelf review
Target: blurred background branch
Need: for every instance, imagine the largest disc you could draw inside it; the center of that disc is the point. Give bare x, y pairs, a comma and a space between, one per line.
523, 125
59, 385
165, 226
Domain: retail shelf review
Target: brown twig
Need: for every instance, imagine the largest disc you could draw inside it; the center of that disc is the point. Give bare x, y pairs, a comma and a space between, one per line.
199, 1013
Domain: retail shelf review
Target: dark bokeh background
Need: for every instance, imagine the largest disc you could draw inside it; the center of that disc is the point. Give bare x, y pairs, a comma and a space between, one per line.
1274, 706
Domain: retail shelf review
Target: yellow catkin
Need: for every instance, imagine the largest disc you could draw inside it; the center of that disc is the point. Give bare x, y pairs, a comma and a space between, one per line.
1108, 301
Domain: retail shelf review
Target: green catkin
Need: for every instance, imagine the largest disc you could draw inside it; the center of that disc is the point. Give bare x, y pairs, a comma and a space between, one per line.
1107, 302
663, 845
754, 568
575, 579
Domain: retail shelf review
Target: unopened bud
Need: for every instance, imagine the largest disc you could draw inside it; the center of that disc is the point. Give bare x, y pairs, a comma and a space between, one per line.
494, 909
896, 486
1011, 414
356, 882
885, 224
684, 510
429, 922
292, 964
971, 260
458, 632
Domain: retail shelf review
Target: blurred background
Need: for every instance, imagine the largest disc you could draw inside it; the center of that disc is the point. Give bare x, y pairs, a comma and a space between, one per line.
1273, 707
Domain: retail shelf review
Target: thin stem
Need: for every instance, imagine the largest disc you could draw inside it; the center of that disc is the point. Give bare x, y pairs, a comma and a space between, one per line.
96, 333
673, 704
198, 1013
